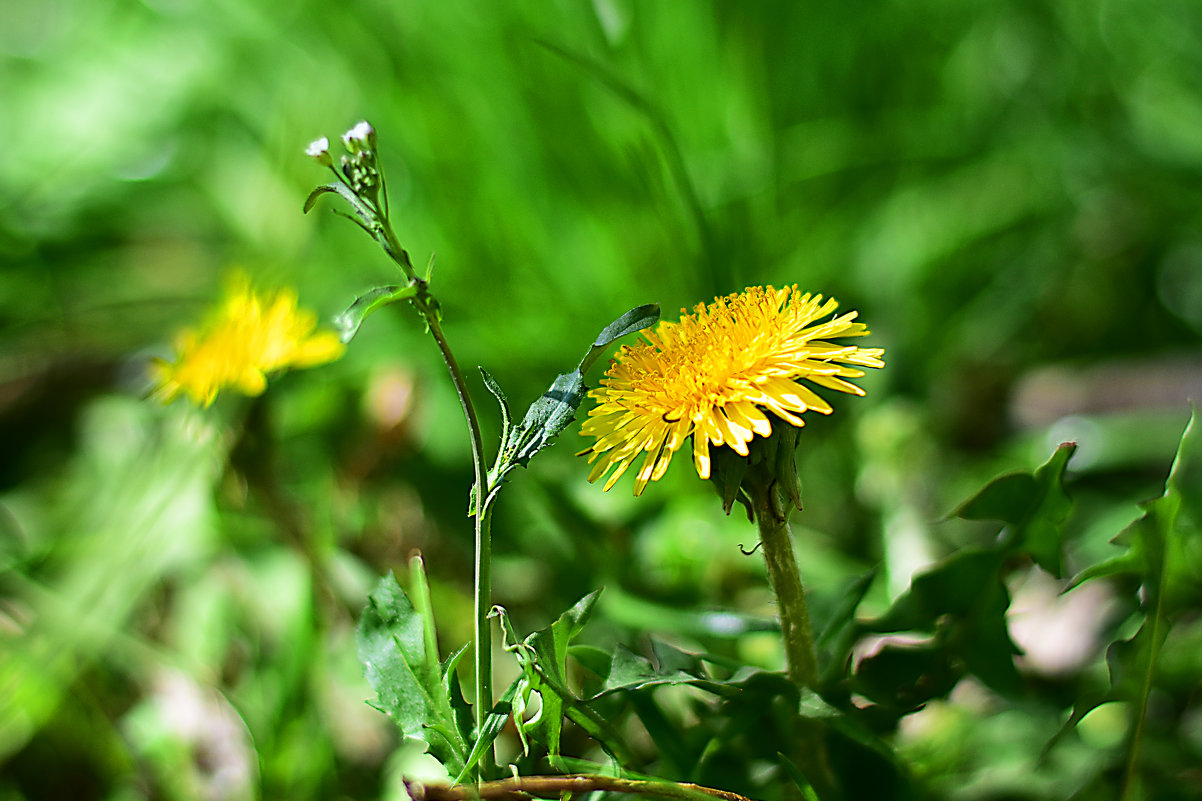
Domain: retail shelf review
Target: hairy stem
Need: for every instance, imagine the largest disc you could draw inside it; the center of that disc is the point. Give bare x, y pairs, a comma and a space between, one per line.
786, 583
772, 517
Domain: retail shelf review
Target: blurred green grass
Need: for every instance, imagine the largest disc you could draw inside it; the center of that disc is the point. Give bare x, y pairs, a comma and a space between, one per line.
1006, 191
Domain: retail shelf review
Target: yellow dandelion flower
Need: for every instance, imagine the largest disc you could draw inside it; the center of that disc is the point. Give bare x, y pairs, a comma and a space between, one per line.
250, 335
716, 375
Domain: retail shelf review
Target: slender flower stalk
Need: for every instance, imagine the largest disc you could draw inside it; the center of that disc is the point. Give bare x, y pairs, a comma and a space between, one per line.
360, 181
482, 630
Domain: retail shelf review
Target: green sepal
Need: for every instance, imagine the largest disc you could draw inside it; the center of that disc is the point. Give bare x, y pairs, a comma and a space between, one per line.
771, 458
349, 321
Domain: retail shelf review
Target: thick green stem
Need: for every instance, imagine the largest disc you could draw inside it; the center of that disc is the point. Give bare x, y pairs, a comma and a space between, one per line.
786, 583
772, 516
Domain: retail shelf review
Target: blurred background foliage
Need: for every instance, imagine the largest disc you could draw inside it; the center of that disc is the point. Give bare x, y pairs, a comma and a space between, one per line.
1007, 191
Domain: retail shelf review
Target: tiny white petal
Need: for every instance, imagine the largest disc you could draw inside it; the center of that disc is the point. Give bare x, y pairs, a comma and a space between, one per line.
317, 147
362, 132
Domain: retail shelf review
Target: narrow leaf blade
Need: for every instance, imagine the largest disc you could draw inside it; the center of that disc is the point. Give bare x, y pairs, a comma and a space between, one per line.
634, 320
349, 321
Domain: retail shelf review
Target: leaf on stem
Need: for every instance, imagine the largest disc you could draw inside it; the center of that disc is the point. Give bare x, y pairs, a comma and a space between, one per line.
553, 411
543, 659
349, 321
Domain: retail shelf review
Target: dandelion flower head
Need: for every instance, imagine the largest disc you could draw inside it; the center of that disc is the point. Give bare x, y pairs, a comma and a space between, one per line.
250, 335
723, 375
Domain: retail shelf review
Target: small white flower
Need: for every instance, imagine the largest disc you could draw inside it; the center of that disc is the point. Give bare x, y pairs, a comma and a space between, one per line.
362, 135
319, 149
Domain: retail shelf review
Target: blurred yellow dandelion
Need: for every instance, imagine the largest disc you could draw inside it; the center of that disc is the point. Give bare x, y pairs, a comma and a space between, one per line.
715, 375
250, 335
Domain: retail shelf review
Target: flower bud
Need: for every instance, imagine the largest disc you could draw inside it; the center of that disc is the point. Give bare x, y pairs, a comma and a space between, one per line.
319, 150
361, 137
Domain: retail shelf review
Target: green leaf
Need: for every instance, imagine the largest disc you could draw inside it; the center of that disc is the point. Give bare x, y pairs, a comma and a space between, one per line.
1159, 559
632, 671
550, 651
311, 200
594, 659
543, 659
392, 646
494, 723
1158, 543
1185, 477
365, 215
553, 411
548, 416
838, 636
905, 677
952, 586
963, 599
1010, 498
454, 693
1034, 505
797, 777
494, 388
349, 321
634, 320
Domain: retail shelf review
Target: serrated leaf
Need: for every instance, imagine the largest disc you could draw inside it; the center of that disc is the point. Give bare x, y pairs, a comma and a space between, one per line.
1185, 477
548, 416
632, 671
543, 659
1035, 506
905, 677
349, 321
392, 648
1157, 557
951, 586
1008, 498
1156, 550
965, 599
594, 659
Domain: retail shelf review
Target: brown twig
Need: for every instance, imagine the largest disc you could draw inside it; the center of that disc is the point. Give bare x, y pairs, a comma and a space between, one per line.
526, 787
